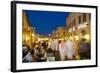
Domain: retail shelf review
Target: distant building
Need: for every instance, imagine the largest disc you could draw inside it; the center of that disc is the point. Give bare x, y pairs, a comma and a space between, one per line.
59, 33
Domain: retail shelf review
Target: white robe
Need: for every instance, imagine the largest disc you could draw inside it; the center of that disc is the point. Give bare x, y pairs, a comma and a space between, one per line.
70, 49
62, 51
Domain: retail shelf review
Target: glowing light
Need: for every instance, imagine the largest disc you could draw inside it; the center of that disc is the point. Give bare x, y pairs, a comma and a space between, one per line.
39, 39
77, 57
86, 36
32, 34
27, 38
76, 37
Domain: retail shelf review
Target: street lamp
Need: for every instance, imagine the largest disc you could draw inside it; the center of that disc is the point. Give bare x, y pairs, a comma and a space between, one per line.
33, 35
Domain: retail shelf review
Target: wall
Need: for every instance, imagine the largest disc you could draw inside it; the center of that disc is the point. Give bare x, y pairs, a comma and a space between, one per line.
5, 36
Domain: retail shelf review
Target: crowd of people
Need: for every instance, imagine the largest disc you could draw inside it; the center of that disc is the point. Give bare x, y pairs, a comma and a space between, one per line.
59, 50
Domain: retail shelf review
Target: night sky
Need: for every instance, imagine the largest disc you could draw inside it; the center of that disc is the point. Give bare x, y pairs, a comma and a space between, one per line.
46, 21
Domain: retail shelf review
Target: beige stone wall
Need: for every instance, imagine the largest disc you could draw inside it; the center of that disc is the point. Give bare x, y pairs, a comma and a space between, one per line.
27, 31
76, 19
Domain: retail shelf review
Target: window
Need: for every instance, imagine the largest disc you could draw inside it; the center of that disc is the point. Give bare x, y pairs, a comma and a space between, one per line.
79, 19
84, 17
74, 22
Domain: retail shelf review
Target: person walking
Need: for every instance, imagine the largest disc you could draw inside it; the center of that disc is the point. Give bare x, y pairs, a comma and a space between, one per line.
62, 50
70, 51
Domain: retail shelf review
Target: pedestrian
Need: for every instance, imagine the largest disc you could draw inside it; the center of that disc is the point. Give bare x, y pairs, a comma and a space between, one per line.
62, 50
56, 44
29, 56
52, 45
70, 51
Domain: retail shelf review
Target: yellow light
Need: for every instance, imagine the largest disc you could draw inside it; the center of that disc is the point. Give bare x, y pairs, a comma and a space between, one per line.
76, 37
39, 39
77, 57
27, 38
32, 34
86, 36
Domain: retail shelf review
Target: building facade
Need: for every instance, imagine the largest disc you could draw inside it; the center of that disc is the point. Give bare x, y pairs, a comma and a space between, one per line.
78, 24
27, 31
60, 32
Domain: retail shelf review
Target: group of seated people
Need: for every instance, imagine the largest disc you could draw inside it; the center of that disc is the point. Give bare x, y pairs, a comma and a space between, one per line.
36, 54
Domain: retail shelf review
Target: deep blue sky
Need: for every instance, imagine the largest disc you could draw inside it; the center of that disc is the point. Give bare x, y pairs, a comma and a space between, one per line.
46, 21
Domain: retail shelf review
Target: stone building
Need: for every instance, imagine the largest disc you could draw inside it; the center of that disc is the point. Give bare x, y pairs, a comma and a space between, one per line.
78, 24
28, 32
60, 32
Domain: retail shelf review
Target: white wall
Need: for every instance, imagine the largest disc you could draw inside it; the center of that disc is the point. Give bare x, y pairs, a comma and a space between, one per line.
5, 36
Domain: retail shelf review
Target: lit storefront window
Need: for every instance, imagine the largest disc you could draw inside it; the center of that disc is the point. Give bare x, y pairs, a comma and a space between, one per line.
87, 37
27, 38
82, 25
76, 37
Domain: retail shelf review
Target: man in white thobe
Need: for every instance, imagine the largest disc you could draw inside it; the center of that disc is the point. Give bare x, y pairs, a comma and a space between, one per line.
70, 51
